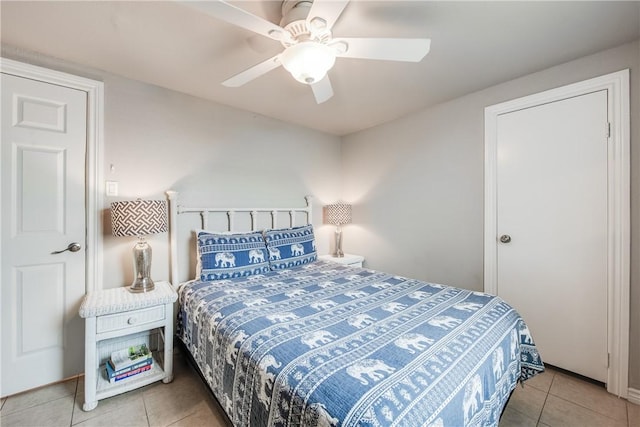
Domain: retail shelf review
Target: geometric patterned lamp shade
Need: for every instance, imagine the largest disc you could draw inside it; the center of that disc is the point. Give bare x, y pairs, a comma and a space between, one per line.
139, 217
339, 213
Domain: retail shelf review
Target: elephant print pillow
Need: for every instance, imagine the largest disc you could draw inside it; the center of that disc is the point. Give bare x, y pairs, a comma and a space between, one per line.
225, 256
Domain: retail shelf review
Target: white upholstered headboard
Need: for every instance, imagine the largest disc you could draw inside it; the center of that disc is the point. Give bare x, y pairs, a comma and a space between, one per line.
176, 209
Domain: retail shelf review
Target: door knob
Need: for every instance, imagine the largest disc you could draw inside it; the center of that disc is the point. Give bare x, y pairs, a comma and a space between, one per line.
505, 238
73, 247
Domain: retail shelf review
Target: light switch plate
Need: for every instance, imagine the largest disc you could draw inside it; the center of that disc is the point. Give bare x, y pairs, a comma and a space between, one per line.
112, 188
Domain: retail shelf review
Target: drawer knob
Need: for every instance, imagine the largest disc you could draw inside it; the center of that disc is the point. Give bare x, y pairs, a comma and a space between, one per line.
132, 320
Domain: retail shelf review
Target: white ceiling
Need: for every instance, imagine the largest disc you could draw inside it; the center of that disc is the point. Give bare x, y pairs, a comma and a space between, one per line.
474, 45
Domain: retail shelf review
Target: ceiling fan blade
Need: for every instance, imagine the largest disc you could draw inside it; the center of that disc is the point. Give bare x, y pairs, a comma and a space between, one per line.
409, 50
328, 11
322, 90
254, 72
240, 17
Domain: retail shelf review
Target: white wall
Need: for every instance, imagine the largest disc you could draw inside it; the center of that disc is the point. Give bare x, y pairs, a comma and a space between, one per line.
417, 183
213, 155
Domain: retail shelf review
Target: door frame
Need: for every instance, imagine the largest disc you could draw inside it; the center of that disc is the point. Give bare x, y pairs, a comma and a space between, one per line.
618, 209
94, 154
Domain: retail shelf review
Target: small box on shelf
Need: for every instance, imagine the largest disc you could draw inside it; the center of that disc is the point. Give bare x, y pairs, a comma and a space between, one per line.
129, 356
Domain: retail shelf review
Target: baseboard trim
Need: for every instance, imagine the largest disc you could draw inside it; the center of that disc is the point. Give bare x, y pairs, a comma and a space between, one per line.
634, 396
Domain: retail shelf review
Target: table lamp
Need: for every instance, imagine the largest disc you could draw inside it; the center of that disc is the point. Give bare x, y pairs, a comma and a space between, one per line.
139, 218
338, 214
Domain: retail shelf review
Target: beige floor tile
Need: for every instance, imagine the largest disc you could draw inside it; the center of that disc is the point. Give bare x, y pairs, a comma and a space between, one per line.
562, 413
528, 401
633, 412
181, 378
542, 381
130, 413
175, 401
105, 407
512, 418
589, 396
35, 397
53, 413
208, 414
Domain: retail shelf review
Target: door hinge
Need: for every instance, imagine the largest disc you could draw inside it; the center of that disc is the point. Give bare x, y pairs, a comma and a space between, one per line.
608, 360
608, 129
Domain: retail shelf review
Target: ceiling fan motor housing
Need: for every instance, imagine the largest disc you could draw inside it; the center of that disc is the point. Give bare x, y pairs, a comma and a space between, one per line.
294, 10
294, 20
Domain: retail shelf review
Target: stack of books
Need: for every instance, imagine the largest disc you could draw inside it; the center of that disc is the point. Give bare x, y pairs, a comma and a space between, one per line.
128, 363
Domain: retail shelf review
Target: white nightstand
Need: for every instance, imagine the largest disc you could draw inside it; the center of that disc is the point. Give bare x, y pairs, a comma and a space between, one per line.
347, 259
116, 319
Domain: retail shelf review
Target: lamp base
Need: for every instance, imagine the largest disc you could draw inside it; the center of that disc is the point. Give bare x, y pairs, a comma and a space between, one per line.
338, 252
142, 267
144, 284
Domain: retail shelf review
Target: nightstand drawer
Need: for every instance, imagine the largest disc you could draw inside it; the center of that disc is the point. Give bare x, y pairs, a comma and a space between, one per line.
129, 319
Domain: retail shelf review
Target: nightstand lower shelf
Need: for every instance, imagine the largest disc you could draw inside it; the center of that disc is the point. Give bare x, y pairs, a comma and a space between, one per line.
106, 389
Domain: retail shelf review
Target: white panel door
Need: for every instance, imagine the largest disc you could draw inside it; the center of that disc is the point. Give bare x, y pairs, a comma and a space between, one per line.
43, 210
552, 203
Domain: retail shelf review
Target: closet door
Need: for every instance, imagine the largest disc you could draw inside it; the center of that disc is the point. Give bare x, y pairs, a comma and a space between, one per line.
552, 227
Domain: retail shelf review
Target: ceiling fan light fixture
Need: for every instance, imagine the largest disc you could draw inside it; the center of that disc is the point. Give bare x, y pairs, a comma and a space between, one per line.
308, 62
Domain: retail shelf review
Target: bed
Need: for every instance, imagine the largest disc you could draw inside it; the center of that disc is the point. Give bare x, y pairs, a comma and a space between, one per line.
285, 339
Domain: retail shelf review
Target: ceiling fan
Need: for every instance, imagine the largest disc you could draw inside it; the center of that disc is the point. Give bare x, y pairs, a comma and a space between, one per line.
310, 50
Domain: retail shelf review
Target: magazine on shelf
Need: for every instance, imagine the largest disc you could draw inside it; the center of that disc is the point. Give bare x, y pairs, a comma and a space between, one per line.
112, 372
124, 358
129, 374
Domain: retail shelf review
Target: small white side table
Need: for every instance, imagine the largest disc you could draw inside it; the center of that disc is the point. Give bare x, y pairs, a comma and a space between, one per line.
347, 259
116, 319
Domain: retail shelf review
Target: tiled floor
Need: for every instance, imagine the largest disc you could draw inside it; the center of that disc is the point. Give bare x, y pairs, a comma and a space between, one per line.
552, 399
556, 399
